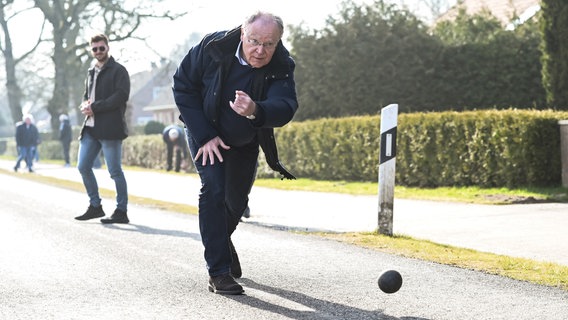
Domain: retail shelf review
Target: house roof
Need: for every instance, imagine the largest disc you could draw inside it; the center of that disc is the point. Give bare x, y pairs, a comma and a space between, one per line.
505, 11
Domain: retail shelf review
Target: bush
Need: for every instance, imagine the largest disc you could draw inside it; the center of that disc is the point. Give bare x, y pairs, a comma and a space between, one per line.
495, 148
508, 148
153, 127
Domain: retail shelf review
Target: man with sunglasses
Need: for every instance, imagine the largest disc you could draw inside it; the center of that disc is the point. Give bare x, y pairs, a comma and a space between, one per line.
107, 90
232, 89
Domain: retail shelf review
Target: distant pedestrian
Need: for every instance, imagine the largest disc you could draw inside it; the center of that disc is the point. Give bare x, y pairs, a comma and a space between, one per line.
104, 105
232, 90
27, 137
65, 137
174, 138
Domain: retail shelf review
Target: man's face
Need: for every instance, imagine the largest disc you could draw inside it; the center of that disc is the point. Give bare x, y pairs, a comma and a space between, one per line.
259, 41
99, 51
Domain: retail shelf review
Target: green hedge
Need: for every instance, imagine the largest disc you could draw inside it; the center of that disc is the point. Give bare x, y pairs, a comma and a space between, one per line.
497, 148
507, 148
147, 151
486, 148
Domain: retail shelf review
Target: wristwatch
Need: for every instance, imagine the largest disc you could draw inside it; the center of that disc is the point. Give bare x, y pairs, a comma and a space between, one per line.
253, 116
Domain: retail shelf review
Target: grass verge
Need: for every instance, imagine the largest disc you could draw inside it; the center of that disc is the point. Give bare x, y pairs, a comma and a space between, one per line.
106, 193
451, 194
543, 273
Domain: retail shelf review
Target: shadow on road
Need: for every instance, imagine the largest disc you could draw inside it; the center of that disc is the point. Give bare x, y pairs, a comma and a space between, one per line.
153, 231
305, 307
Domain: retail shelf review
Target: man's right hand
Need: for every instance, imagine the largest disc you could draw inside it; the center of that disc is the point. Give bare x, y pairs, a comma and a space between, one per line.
211, 149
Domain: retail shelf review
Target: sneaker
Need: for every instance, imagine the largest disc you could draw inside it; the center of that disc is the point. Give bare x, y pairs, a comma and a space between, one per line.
224, 284
91, 213
118, 216
236, 271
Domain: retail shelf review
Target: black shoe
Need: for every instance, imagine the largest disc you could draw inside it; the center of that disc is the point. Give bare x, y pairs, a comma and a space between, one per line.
118, 216
236, 271
15, 169
224, 284
92, 212
246, 214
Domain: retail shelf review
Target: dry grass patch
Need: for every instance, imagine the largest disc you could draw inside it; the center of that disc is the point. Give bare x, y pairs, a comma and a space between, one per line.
544, 273
106, 193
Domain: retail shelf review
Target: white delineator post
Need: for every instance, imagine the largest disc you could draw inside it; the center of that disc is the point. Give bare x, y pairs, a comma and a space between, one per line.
387, 165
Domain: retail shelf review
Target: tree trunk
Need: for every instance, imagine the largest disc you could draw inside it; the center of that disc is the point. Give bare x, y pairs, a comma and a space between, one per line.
13, 90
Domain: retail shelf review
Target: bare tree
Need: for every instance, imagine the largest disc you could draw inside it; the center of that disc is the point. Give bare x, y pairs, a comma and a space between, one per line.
436, 7
13, 89
69, 19
427, 9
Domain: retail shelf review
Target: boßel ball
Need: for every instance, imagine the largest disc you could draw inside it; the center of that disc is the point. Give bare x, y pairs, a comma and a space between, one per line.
390, 281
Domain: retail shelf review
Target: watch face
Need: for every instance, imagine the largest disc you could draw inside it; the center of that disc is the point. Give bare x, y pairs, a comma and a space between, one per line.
251, 117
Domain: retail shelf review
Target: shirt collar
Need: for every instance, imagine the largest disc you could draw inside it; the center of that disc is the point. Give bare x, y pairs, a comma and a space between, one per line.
238, 55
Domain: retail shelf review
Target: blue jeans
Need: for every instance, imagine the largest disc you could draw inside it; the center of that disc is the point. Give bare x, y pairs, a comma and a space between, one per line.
89, 149
225, 187
26, 154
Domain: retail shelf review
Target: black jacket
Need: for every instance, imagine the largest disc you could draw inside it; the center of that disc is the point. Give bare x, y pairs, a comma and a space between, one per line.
65, 132
26, 136
197, 87
180, 141
111, 93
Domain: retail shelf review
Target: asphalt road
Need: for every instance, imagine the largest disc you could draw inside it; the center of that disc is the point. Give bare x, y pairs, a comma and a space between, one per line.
54, 267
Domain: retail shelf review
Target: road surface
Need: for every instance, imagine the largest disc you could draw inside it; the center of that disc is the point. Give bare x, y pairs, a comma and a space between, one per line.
54, 267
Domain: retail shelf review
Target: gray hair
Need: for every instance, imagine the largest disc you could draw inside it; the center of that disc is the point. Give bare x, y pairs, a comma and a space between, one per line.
266, 16
28, 116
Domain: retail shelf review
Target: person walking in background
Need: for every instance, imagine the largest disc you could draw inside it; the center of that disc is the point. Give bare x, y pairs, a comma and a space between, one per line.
232, 89
27, 137
65, 136
104, 105
173, 136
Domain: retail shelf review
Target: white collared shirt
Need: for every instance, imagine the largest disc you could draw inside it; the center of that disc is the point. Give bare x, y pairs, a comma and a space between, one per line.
238, 55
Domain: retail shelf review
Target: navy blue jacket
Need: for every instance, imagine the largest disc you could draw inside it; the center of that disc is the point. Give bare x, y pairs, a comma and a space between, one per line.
180, 141
26, 137
65, 132
197, 89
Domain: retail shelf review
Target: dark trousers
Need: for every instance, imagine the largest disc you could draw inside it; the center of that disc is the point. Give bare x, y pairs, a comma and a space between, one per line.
66, 147
171, 147
225, 187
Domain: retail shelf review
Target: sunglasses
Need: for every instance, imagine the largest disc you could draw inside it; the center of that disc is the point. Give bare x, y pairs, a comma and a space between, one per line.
101, 49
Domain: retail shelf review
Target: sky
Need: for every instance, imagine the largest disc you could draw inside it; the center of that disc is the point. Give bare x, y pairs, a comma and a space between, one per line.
204, 16
213, 15
201, 16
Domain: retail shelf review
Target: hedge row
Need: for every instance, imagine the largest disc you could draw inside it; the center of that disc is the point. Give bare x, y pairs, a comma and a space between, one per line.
146, 151
506, 148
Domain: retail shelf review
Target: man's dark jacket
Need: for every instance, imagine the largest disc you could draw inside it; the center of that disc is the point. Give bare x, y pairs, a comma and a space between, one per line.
197, 91
65, 132
180, 141
111, 93
26, 137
